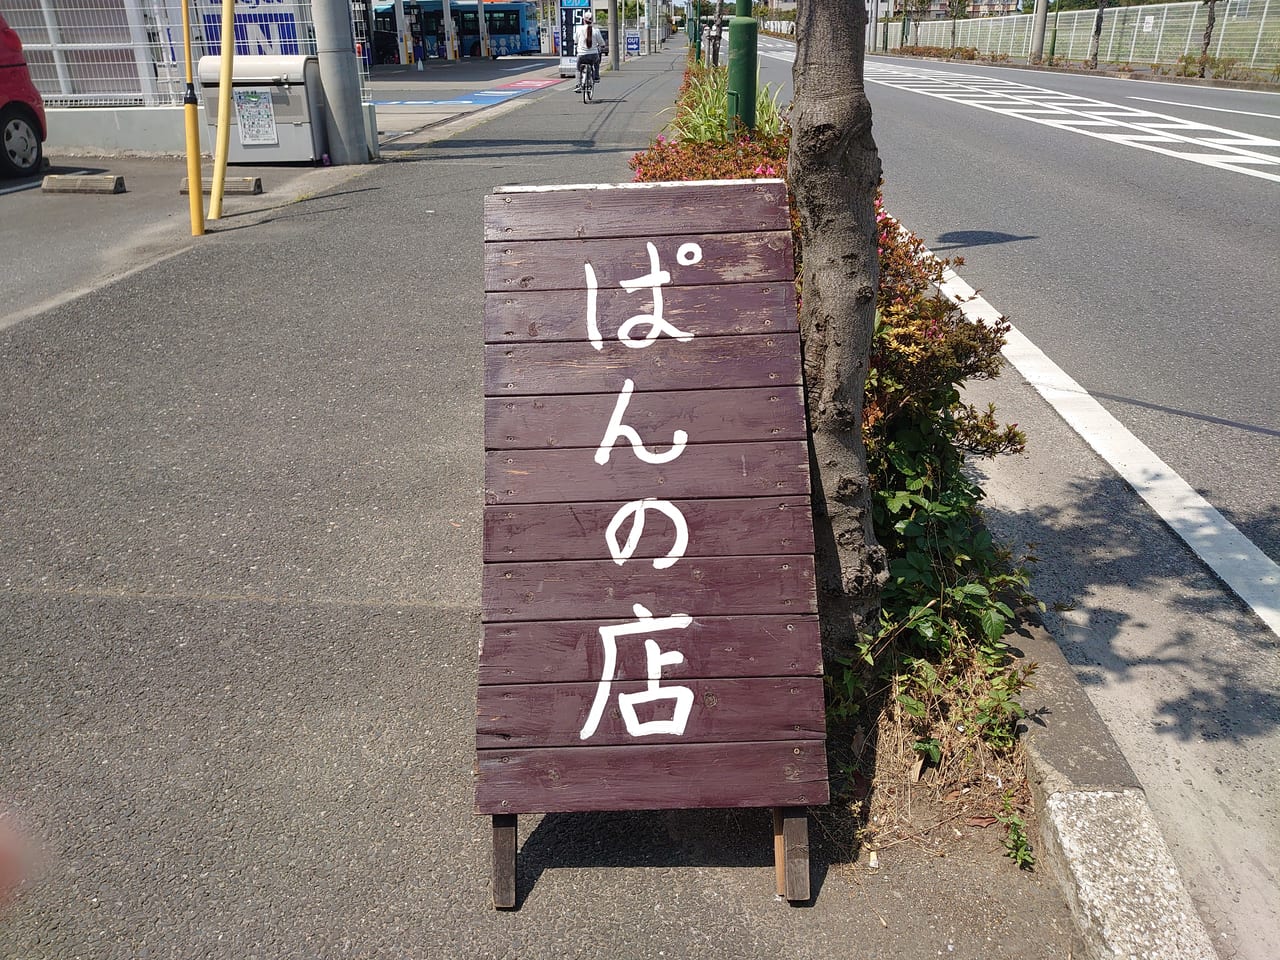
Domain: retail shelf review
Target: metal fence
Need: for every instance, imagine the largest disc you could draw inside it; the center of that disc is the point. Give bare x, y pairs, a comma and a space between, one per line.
115, 53
1247, 31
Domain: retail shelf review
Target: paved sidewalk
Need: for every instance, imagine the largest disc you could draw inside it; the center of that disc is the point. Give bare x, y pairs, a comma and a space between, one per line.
242, 516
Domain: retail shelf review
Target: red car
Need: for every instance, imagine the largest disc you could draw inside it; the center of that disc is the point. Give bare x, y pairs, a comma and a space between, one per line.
22, 123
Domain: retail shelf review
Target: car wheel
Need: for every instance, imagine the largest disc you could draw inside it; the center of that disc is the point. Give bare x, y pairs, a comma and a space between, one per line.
20, 147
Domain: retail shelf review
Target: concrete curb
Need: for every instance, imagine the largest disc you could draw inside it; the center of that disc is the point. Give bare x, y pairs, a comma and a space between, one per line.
1098, 835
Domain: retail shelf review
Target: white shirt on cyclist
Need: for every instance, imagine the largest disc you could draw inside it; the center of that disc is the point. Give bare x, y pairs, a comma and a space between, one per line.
580, 45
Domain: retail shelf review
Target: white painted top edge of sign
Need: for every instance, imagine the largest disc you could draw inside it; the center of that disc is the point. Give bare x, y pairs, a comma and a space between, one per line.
634, 186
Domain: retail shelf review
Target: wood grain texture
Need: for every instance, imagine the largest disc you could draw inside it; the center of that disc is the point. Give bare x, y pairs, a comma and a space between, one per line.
505, 840
779, 854
558, 651
741, 526
658, 777
725, 258
647, 210
542, 316
600, 589
795, 848
724, 710
751, 651
706, 470
707, 416
540, 369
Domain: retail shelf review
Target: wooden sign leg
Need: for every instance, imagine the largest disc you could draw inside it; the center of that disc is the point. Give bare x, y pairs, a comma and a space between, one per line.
504, 861
779, 854
791, 852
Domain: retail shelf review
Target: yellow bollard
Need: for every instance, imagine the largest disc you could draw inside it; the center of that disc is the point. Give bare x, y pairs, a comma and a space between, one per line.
191, 113
223, 144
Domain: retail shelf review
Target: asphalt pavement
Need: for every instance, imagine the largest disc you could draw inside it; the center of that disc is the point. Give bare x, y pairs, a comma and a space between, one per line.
241, 507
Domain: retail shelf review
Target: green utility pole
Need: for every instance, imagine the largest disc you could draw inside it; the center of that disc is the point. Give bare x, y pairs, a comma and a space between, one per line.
1053, 40
743, 37
697, 30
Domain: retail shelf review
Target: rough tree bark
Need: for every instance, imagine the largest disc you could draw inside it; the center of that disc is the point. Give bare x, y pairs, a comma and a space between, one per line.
1208, 38
834, 171
1097, 36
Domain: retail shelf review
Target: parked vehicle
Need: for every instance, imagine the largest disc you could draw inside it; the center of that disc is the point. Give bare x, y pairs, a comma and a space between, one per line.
22, 119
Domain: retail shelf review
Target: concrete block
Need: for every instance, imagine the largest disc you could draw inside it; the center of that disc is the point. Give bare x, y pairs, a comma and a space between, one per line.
248, 186
82, 183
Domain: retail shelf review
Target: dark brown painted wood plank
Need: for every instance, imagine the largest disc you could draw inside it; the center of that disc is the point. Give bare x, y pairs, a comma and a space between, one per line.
704, 470
599, 589
795, 847
707, 416
551, 651
717, 528
725, 258
658, 777
504, 860
725, 710
646, 210
723, 362
722, 310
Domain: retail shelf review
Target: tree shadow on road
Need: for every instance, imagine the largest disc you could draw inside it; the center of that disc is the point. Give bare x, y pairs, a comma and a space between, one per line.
1101, 543
954, 240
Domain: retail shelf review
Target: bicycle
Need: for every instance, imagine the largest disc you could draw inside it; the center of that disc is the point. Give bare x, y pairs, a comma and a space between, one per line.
588, 84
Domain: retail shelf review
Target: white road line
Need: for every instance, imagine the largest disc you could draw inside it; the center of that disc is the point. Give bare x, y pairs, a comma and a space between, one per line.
1197, 106
36, 183
1249, 573
1081, 115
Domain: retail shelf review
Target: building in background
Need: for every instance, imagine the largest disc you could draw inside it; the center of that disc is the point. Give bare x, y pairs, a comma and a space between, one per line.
128, 53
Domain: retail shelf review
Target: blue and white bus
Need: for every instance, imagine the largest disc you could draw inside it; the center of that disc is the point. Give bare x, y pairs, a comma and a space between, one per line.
513, 26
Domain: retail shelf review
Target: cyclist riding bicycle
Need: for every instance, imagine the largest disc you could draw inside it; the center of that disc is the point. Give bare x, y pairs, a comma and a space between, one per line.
586, 40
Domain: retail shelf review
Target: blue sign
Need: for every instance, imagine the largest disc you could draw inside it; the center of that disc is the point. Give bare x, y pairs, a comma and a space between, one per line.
576, 3
269, 34
633, 43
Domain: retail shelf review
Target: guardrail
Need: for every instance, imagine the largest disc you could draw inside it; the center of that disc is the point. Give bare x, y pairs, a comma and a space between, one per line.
127, 53
1247, 31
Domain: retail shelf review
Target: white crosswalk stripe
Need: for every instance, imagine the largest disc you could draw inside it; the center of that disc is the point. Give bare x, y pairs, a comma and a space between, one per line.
1184, 139
1219, 147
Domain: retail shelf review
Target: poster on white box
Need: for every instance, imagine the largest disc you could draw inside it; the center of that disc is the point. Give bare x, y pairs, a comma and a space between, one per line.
255, 116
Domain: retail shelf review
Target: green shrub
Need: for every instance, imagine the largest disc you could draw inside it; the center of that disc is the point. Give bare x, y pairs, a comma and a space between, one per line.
701, 110
938, 649
940, 53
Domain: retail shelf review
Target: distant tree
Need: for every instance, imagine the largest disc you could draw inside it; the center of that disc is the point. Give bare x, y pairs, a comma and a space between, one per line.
1097, 36
956, 10
917, 10
1208, 36
715, 33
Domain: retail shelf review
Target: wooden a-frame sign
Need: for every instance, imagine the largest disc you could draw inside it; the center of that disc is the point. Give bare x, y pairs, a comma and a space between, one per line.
650, 617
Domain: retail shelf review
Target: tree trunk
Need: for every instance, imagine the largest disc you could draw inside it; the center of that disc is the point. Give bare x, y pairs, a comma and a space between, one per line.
715, 41
1208, 36
834, 172
1095, 40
